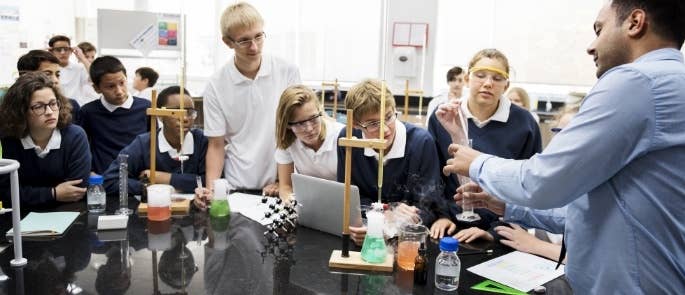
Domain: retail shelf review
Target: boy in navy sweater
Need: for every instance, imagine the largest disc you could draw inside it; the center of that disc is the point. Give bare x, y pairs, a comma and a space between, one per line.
114, 120
45, 62
169, 151
411, 168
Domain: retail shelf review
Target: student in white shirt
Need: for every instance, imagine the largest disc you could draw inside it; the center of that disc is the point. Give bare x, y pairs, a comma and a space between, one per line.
305, 138
455, 81
240, 105
73, 77
145, 79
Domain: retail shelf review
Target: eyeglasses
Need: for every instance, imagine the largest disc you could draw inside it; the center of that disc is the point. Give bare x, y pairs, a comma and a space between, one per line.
483, 75
300, 126
41, 108
191, 114
259, 39
61, 49
375, 126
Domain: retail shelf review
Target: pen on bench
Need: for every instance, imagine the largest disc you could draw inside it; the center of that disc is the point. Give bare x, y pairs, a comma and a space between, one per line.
487, 252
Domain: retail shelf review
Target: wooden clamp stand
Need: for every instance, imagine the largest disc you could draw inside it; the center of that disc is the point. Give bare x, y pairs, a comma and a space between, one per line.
176, 206
335, 86
347, 259
408, 92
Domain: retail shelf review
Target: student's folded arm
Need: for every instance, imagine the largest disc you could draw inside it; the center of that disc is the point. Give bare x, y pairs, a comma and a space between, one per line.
186, 182
136, 163
28, 195
79, 157
598, 142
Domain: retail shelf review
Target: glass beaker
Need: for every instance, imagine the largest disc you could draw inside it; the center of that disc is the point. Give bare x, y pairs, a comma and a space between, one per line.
159, 202
411, 237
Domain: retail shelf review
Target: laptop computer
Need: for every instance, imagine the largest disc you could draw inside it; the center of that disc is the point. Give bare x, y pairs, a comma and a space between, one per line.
322, 203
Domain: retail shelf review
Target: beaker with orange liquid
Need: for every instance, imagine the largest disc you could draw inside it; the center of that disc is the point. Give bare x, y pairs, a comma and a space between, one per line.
159, 202
411, 237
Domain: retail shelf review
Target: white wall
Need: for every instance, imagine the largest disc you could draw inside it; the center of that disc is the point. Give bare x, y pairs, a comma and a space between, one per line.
425, 11
545, 41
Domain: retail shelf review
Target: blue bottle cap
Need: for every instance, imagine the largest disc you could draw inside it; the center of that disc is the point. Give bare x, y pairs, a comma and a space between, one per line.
95, 179
449, 244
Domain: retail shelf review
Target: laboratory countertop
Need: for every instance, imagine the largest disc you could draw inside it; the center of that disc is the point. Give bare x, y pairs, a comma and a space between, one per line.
199, 254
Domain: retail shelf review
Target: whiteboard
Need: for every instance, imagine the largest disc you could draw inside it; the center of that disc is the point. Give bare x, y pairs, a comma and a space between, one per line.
117, 28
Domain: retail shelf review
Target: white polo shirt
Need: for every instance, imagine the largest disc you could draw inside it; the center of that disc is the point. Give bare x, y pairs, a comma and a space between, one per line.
322, 163
243, 111
75, 83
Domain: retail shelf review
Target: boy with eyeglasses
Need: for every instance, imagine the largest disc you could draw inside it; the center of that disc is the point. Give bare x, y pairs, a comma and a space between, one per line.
411, 167
178, 164
240, 104
73, 75
114, 120
47, 63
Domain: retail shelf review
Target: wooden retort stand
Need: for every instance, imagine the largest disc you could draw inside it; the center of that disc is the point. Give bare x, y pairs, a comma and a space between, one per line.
347, 259
408, 92
335, 86
176, 206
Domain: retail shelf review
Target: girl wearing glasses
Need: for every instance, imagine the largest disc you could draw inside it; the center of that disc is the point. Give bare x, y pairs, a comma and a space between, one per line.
36, 130
306, 139
178, 163
495, 126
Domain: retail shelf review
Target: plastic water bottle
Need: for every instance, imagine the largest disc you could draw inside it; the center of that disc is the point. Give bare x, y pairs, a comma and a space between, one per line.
97, 198
447, 265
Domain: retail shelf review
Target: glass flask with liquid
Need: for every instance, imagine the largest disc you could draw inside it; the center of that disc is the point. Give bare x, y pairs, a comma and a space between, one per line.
219, 206
373, 249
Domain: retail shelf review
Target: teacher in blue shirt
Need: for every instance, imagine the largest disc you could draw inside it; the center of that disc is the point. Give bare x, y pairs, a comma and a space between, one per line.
619, 164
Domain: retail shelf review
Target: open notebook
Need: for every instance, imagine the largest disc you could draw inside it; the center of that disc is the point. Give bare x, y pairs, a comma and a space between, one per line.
49, 224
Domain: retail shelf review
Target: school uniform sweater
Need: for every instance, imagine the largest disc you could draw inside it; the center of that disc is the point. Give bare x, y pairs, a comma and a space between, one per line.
38, 176
412, 178
139, 160
109, 132
518, 138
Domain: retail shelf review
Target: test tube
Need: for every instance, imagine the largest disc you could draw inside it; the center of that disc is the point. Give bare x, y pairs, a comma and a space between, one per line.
123, 185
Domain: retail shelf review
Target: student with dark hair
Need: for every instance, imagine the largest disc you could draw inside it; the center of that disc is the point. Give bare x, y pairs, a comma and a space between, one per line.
455, 82
45, 62
618, 165
36, 130
88, 50
114, 120
73, 76
178, 164
145, 79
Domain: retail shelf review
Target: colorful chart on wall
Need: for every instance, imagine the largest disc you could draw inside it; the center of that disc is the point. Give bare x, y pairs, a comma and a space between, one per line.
143, 31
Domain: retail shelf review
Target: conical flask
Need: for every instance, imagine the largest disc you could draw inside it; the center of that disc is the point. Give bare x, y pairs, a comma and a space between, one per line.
373, 249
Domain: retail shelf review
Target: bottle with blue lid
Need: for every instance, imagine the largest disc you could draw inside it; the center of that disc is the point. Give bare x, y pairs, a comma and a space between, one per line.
96, 195
447, 265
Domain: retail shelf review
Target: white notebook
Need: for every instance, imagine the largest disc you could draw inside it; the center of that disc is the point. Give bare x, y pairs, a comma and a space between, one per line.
46, 224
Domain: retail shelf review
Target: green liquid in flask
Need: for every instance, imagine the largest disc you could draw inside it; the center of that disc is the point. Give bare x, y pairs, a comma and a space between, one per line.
219, 208
373, 249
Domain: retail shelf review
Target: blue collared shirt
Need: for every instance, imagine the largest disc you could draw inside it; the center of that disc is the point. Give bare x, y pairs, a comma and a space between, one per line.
620, 165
